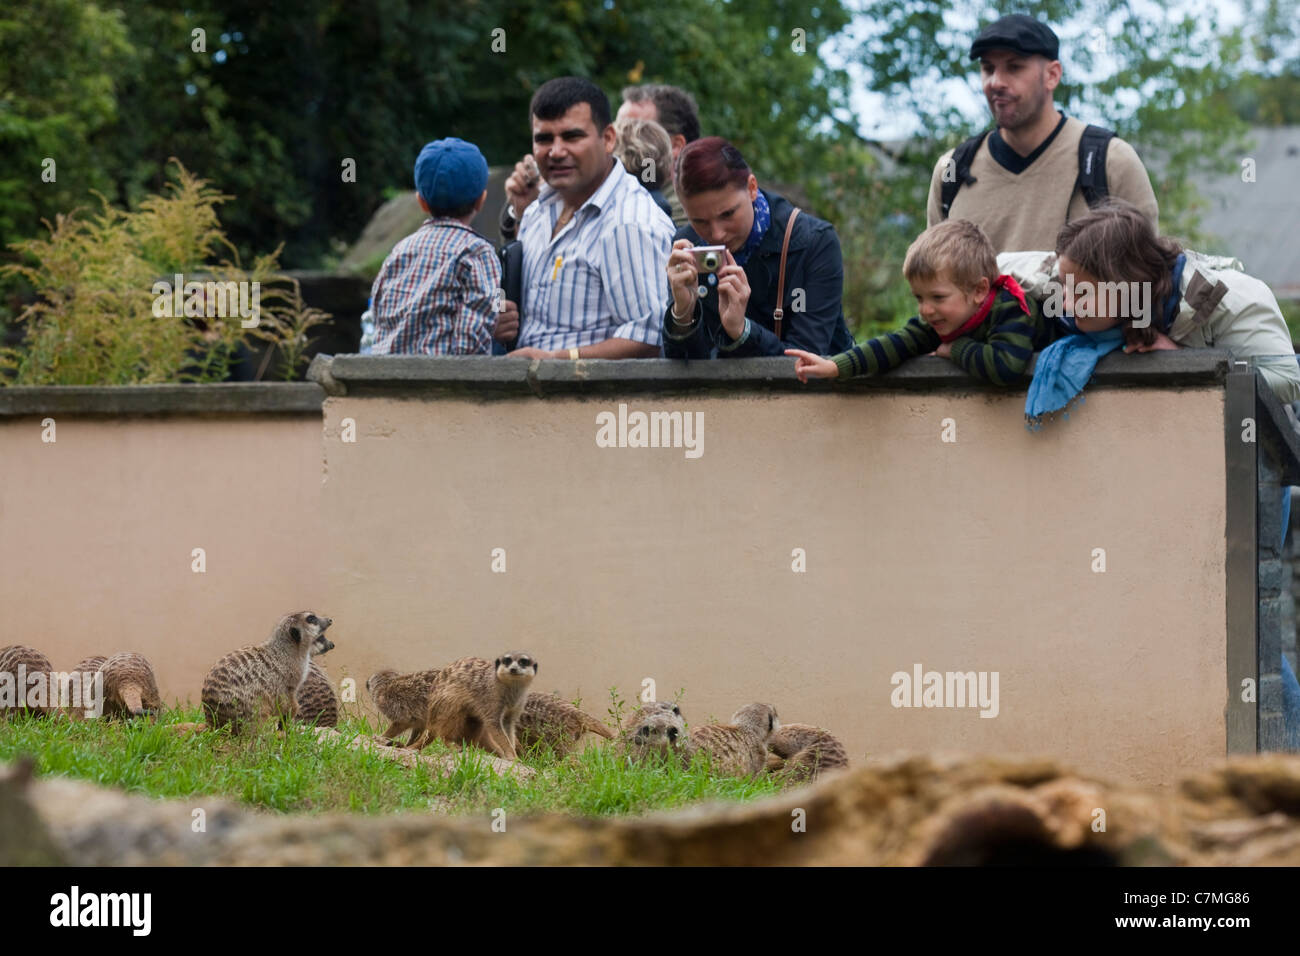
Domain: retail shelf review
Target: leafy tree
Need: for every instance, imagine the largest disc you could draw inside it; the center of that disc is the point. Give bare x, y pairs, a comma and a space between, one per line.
61, 66
1269, 95
282, 94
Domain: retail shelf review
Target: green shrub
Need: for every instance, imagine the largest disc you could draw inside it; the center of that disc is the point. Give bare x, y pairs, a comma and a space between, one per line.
101, 314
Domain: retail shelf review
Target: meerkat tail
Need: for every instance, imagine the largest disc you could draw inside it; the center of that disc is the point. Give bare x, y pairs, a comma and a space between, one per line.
596, 727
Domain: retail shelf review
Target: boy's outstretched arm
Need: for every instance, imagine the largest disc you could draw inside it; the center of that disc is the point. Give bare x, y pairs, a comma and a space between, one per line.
889, 350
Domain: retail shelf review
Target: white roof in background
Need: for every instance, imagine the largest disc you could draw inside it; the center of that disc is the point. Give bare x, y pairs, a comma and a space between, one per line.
1259, 222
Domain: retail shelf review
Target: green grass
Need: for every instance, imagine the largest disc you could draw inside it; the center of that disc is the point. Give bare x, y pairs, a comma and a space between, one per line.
296, 773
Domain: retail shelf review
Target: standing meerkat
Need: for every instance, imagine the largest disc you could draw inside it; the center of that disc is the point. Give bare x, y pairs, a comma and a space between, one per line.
737, 749
553, 721
25, 681
262, 680
317, 702
479, 702
403, 699
804, 752
130, 688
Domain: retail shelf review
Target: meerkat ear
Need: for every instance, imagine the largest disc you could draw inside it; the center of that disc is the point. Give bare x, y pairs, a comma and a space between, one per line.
497, 662
536, 667
295, 633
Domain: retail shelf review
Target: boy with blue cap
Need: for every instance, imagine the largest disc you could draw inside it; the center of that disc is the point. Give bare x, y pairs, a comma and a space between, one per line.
436, 293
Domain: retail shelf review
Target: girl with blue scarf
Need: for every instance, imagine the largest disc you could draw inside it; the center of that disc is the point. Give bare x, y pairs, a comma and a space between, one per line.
1163, 297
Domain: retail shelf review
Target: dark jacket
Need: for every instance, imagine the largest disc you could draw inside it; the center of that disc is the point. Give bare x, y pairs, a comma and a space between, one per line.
813, 265
661, 201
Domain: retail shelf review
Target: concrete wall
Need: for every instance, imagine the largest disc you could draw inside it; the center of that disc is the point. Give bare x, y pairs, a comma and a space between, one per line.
97, 528
628, 563
631, 563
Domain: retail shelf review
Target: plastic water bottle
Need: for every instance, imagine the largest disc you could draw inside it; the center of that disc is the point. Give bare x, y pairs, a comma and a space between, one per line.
367, 328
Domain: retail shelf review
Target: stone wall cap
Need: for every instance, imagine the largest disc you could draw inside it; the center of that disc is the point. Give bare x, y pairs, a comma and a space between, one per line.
419, 376
223, 398
501, 375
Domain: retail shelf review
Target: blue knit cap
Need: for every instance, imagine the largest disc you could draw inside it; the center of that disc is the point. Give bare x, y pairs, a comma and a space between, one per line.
450, 173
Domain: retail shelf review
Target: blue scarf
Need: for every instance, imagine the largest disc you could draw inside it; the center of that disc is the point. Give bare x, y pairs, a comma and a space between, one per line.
1063, 368
762, 219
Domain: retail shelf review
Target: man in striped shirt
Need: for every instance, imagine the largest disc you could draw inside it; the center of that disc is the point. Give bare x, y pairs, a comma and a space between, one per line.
595, 244
436, 292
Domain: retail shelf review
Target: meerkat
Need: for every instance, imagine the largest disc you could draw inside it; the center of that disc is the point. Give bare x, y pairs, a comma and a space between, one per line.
262, 680
804, 752
25, 681
403, 699
656, 718
130, 688
317, 702
655, 730
655, 707
737, 749
553, 721
479, 702
657, 736
89, 665
84, 674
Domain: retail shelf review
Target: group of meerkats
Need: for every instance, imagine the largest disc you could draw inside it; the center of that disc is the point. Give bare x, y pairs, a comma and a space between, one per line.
469, 701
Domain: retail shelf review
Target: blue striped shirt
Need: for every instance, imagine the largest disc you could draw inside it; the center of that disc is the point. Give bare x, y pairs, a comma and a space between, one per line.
436, 293
603, 276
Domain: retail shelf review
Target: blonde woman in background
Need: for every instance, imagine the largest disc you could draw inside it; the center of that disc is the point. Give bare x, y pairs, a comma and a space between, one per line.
644, 149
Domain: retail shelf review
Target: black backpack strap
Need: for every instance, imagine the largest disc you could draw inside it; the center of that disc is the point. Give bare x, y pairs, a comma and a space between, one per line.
512, 279
1092, 164
960, 162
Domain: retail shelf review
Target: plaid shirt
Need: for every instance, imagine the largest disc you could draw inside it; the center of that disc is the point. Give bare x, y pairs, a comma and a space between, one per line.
435, 293
603, 276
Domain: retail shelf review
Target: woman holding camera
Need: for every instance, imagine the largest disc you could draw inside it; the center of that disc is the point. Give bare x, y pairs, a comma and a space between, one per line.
734, 301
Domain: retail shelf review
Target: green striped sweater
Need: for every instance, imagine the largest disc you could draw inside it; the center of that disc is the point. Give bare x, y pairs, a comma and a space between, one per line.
996, 351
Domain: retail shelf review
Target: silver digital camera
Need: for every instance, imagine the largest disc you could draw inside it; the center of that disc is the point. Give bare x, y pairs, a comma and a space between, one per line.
709, 258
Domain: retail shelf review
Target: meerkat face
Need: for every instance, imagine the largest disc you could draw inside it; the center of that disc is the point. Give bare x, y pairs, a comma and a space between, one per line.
656, 733
514, 667
305, 627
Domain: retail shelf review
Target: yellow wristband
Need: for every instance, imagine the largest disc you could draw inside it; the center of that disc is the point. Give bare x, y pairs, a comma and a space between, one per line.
573, 354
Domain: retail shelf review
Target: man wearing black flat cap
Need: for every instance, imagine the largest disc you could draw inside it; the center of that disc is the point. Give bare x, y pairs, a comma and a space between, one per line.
1038, 169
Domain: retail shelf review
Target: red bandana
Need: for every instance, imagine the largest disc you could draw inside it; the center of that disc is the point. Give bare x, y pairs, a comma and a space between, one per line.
1001, 282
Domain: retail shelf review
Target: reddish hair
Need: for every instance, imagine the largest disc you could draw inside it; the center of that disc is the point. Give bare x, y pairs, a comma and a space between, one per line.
708, 164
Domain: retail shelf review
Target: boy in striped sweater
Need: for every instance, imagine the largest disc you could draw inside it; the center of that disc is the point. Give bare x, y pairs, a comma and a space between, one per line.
968, 313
